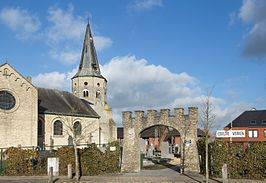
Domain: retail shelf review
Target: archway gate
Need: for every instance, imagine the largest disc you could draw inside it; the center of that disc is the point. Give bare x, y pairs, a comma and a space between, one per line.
185, 124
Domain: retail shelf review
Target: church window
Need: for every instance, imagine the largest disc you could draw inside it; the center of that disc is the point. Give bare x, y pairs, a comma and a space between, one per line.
98, 94
77, 128
85, 83
85, 93
98, 84
7, 100
58, 128
40, 128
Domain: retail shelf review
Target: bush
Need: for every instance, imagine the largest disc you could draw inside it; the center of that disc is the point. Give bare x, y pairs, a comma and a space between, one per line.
92, 160
242, 162
23, 162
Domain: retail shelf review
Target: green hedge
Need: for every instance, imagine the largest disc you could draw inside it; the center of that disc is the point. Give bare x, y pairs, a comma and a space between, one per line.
242, 162
92, 160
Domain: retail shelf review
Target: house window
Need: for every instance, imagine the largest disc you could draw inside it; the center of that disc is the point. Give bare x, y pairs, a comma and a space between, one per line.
252, 122
77, 128
253, 133
264, 132
264, 122
58, 128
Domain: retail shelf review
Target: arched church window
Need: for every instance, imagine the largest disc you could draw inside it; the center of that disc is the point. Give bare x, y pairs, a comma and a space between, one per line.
98, 94
86, 83
58, 128
98, 84
7, 100
77, 128
40, 127
85, 93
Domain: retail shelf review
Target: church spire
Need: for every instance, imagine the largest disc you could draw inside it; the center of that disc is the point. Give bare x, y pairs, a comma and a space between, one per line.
89, 65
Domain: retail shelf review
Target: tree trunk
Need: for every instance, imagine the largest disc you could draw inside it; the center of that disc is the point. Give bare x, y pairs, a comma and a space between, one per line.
207, 158
77, 167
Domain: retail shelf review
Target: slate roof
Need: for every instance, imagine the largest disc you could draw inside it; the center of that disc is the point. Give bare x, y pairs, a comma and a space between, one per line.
51, 101
244, 119
89, 65
150, 132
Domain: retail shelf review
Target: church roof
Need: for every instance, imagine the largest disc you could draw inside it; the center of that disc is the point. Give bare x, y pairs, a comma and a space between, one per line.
51, 101
89, 65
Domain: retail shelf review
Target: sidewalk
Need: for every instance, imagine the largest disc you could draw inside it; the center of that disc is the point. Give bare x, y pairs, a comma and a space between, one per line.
147, 176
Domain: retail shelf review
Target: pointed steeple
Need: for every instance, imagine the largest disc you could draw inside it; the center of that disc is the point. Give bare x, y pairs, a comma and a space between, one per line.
89, 65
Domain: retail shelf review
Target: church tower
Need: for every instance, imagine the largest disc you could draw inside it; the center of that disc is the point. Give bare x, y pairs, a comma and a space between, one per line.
88, 83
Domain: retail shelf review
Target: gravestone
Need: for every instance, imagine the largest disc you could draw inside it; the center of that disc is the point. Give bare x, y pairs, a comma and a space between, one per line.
165, 151
150, 151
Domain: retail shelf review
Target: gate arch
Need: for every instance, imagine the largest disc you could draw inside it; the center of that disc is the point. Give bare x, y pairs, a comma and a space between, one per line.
133, 125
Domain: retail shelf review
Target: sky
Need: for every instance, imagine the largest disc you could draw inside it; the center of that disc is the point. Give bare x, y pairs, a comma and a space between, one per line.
154, 53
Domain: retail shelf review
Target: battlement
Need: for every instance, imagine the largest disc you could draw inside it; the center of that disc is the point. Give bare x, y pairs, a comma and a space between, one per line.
163, 117
152, 113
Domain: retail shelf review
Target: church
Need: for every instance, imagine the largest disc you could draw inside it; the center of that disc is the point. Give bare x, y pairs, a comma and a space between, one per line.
33, 116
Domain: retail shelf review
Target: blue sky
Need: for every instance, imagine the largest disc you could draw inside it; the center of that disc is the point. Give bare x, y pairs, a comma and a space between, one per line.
154, 53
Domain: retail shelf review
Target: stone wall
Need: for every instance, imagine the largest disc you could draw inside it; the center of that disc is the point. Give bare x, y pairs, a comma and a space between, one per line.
18, 126
90, 129
134, 125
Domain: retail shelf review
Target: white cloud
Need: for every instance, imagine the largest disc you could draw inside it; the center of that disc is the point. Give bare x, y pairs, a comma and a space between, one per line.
65, 25
134, 84
146, 4
63, 35
66, 34
20, 21
141, 84
102, 42
67, 57
253, 12
54, 80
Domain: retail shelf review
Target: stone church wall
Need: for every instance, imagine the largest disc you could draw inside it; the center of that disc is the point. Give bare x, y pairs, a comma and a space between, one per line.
18, 125
90, 129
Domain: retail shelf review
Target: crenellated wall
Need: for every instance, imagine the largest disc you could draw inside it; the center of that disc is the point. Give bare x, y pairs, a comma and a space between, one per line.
186, 124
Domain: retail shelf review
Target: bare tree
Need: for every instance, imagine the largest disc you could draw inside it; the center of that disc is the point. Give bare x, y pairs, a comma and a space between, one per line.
77, 132
208, 119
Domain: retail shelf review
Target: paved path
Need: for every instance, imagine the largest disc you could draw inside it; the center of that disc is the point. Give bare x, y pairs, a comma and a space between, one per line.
148, 176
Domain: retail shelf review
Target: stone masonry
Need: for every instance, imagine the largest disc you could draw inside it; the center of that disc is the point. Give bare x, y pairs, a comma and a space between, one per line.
134, 125
18, 126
